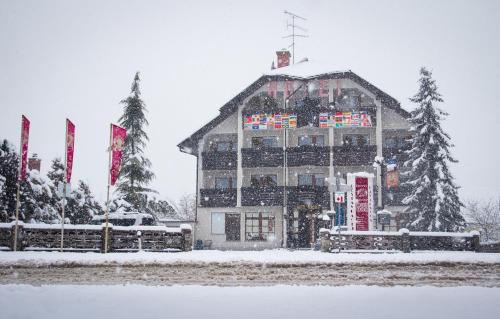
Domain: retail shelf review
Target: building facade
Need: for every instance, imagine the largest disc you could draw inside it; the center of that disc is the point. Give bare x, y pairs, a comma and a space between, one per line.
269, 164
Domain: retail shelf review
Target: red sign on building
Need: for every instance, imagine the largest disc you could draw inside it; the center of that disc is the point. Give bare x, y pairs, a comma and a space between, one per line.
361, 188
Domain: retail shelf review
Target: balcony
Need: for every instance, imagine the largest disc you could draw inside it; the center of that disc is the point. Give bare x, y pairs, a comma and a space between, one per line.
263, 157
212, 197
354, 156
308, 155
310, 195
262, 196
213, 160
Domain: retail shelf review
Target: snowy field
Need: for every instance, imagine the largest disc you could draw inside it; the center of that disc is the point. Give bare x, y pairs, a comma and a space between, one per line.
136, 301
215, 256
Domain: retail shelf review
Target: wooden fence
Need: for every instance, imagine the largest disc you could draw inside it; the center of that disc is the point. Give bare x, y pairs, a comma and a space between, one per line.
403, 240
91, 237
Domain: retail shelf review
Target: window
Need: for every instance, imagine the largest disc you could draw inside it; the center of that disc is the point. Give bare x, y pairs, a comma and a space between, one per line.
312, 180
264, 141
226, 182
313, 140
222, 146
267, 180
218, 220
355, 140
232, 227
259, 226
396, 141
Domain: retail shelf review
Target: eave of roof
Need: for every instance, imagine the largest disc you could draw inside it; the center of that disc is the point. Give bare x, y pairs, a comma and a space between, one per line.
191, 143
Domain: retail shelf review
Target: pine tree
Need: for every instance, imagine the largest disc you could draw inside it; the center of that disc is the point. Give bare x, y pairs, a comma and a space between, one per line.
37, 199
82, 205
135, 174
433, 203
9, 163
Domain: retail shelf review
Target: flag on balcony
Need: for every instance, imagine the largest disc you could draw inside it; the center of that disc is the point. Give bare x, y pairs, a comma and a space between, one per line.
118, 135
323, 120
25, 133
70, 148
293, 120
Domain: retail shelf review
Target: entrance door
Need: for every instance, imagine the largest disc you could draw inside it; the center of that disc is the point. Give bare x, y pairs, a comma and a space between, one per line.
304, 230
232, 227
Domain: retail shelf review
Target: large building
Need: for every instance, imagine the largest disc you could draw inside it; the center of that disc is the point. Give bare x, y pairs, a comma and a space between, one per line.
269, 164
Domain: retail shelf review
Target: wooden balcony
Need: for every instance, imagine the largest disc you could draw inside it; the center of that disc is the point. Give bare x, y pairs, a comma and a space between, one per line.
263, 157
354, 156
212, 160
262, 196
212, 197
310, 195
308, 155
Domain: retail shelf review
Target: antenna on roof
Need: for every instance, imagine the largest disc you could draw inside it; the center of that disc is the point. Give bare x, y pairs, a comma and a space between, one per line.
293, 35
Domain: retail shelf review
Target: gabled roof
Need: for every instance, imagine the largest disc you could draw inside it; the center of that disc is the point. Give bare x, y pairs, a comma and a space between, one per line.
304, 71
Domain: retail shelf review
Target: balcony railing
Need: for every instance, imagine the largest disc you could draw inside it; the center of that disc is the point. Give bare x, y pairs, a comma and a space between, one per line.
212, 197
354, 156
263, 157
308, 155
394, 196
397, 153
262, 196
212, 160
309, 195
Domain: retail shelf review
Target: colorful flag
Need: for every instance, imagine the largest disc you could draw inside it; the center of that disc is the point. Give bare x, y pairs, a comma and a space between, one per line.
270, 122
277, 121
25, 133
284, 121
70, 148
263, 122
392, 179
293, 120
118, 135
323, 120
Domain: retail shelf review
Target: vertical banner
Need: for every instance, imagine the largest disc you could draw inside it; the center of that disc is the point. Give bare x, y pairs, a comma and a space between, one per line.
25, 133
70, 148
361, 187
392, 179
117, 144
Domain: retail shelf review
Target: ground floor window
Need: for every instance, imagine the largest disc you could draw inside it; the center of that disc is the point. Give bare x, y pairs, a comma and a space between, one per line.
218, 220
259, 226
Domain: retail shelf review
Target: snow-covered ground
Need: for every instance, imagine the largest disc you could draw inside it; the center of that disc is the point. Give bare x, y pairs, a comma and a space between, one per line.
136, 301
266, 256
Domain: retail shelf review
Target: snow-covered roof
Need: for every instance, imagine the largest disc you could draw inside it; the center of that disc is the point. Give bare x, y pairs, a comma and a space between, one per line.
305, 69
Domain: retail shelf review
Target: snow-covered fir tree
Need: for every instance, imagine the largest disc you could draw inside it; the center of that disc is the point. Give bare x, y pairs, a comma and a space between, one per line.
9, 163
433, 202
135, 173
82, 205
37, 199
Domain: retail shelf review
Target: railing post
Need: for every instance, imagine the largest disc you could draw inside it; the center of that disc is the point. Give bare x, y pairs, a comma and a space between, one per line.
405, 240
20, 237
476, 246
110, 238
325, 240
139, 239
187, 238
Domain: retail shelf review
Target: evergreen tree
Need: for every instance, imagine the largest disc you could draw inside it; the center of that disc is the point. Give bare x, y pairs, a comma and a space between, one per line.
56, 176
82, 205
135, 173
37, 199
9, 163
433, 203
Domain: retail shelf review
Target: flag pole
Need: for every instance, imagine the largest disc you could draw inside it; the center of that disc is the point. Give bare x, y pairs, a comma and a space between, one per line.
64, 183
109, 186
18, 187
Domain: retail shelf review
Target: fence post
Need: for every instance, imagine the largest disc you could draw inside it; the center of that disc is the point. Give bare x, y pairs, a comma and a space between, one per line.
20, 236
139, 244
405, 240
325, 240
476, 246
187, 237
110, 238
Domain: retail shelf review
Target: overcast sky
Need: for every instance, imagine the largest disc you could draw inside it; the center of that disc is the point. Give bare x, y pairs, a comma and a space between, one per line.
77, 59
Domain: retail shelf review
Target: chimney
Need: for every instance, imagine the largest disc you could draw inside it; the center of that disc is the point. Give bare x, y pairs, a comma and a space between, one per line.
283, 58
34, 163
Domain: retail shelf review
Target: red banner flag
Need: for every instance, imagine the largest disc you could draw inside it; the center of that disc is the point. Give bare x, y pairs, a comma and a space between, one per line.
361, 203
118, 135
25, 133
70, 148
